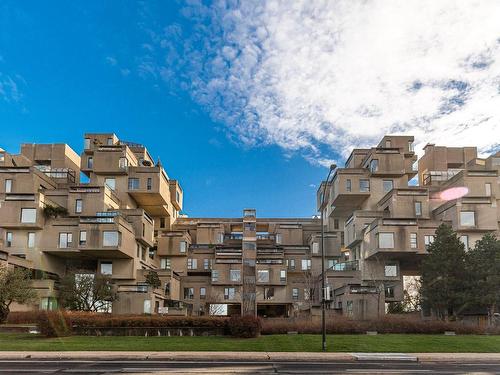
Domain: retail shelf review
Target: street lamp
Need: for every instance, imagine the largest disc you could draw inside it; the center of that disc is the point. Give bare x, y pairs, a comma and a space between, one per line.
323, 287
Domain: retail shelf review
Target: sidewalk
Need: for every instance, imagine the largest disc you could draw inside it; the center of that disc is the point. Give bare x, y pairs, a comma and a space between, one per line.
253, 356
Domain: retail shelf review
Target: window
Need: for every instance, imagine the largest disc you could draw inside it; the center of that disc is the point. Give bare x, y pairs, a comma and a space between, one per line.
220, 239
487, 188
335, 223
110, 182
133, 184
391, 270
467, 219
249, 246
203, 292
192, 264
177, 196
315, 248
295, 294
90, 162
162, 222
292, 264
364, 185
110, 238
215, 276
279, 238
348, 307
306, 264
465, 240
165, 263
86, 143
206, 264
332, 263
386, 240
268, 293
188, 293
31, 240
106, 268
78, 206
229, 293
147, 306
83, 238
282, 276
28, 215
410, 146
8, 186
123, 163
263, 276
389, 291
374, 165
428, 240
388, 143
65, 240
348, 185
9, 239
182, 246
418, 208
234, 275
388, 185
109, 141
413, 240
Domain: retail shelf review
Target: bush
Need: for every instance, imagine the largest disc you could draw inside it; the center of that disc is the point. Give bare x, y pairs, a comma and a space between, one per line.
24, 317
245, 326
54, 324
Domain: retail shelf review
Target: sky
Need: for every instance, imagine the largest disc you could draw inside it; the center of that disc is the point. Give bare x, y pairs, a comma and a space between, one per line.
247, 103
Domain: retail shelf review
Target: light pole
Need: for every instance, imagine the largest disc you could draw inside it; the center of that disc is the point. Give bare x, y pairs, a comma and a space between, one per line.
323, 287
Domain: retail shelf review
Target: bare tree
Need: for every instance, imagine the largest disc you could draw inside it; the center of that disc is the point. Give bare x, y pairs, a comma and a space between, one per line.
84, 291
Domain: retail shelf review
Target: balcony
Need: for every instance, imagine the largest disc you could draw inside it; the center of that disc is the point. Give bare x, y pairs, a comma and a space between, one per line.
437, 177
59, 174
350, 188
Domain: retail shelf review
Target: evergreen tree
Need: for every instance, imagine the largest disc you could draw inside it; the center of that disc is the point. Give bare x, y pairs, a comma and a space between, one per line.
483, 265
444, 274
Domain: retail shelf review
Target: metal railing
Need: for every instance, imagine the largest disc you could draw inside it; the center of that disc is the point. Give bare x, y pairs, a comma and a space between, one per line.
352, 265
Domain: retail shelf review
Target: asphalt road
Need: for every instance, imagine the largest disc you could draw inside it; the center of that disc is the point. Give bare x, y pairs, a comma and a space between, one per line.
226, 367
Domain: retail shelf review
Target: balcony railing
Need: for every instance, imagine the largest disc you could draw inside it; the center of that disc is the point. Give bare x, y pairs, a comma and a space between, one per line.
233, 236
59, 173
352, 265
438, 176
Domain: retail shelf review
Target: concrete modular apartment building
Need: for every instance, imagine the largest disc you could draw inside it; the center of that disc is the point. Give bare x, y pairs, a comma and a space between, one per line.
126, 221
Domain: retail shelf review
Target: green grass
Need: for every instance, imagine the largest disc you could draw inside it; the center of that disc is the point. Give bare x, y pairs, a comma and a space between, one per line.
286, 343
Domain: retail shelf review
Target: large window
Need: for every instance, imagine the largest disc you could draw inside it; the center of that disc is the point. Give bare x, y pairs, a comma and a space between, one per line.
467, 219
8, 186
391, 270
182, 246
229, 293
374, 165
8, 239
28, 215
348, 185
269, 293
165, 263
65, 240
388, 185
413, 241
133, 184
389, 291
110, 238
206, 264
291, 263
465, 240
235, 275
306, 264
428, 240
192, 264
315, 248
90, 162
263, 276
282, 276
86, 143
295, 294
149, 183
110, 182
418, 208
386, 240
279, 238
83, 238
188, 293
106, 268
123, 163
203, 292
364, 185
31, 240
215, 276
78, 206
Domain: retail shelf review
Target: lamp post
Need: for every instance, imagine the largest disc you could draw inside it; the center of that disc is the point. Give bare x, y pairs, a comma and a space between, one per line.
323, 287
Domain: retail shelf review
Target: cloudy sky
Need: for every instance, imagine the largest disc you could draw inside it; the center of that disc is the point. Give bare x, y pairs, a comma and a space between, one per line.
254, 94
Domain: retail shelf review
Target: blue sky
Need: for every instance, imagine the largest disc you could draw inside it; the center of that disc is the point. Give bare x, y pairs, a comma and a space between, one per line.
61, 60
246, 102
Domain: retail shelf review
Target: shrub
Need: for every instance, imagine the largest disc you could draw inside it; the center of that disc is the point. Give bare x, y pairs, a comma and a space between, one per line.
54, 324
245, 326
24, 317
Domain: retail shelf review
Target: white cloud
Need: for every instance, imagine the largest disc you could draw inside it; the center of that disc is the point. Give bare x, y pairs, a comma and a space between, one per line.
319, 77
9, 87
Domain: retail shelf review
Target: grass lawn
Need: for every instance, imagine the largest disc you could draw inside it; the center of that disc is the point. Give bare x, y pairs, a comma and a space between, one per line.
285, 343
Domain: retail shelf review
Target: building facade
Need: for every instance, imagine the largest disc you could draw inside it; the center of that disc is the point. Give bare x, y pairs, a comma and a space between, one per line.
123, 218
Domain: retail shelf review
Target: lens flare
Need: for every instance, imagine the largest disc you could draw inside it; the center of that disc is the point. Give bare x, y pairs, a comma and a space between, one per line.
453, 193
